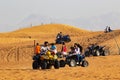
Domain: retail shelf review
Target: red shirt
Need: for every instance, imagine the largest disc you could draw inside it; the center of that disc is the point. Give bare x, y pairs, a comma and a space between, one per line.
64, 48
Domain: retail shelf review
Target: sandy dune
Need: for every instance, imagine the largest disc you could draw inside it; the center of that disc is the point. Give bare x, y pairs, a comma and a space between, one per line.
100, 68
20, 42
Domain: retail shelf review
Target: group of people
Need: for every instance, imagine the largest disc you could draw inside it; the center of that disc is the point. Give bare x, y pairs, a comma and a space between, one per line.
108, 29
41, 50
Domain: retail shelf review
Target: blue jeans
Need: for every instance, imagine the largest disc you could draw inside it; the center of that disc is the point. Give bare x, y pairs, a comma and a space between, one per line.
79, 57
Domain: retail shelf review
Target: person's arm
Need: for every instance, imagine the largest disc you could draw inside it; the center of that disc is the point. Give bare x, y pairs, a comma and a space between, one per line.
42, 49
48, 48
55, 47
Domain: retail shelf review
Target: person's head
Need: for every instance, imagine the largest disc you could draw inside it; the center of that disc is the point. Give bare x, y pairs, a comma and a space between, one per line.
75, 45
72, 48
60, 32
63, 43
45, 43
78, 45
53, 44
37, 44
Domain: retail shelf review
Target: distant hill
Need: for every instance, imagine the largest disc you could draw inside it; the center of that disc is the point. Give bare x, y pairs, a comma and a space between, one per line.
94, 23
53, 28
48, 29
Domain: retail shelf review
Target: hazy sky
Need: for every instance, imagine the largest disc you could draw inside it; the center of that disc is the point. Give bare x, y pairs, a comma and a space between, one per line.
14, 11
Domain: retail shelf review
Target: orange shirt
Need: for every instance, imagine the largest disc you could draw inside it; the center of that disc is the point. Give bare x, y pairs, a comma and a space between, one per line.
37, 49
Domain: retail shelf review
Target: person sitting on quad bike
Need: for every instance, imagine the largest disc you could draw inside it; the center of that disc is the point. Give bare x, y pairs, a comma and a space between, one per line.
59, 35
75, 57
81, 48
77, 51
72, 50
64, 49
45, 48
60, 38
53, 48
45, 60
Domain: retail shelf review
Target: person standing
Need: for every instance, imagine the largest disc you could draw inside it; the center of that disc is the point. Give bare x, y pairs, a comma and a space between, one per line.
109, 29
64, 49
106, 29
37, 49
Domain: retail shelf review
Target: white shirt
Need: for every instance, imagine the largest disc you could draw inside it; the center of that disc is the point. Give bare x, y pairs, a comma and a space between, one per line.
44, 49
77, 50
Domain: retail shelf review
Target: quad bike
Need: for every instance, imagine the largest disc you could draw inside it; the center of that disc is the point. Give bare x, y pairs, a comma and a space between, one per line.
45, 61
65, 38
96, 51
72, 61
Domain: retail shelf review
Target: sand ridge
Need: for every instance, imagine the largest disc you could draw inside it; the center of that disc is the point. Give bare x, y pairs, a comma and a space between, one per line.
21, 41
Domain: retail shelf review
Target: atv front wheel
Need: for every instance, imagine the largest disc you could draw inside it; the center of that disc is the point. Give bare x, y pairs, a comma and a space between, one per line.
56, 64
97, 53
43, 65
72, 63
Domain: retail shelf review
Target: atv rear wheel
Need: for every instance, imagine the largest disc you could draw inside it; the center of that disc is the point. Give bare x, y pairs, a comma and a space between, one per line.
85, 63
35, 65
62, 63
106, 53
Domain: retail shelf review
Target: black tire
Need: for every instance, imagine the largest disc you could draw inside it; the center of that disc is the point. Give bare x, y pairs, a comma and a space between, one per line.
62, 63
72, 63
87, 54
106, 53
85, 63
35, 65
43, 65
68, 40
49, 66
97, 53
56, 64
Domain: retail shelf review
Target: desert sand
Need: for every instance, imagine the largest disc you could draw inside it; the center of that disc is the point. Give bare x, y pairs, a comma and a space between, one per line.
14, 67
100, 68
